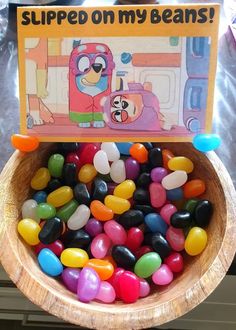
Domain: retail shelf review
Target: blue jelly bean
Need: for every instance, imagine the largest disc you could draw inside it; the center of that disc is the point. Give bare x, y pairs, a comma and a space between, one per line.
155, 223
49, 263
40, 197
174, 194
124, 147
206, 142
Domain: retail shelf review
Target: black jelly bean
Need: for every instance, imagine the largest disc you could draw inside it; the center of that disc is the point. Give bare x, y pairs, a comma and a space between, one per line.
148, 145
69, 174
99, 189
181, 219
155, 157
77, 239
141, 196
123, 256
203, 213
51, 230
144, 180
159, 244
69, 146
81, 194
53, 184
131, 218
105, 177
146, 209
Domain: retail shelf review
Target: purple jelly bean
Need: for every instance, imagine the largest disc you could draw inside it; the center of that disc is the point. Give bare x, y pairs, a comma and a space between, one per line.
88, 284
94, 227
158, 173
132, 168
111, 187
70, 277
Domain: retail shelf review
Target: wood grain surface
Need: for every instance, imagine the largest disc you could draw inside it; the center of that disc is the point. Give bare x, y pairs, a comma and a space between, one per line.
201, 275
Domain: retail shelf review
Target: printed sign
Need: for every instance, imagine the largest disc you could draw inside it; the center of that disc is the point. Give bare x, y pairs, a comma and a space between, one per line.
117, 73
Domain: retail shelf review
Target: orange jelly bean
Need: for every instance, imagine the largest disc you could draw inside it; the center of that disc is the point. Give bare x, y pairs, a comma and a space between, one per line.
103, 267
24, 143
111, 260
167, 155
194, 188
139, 152
100, 211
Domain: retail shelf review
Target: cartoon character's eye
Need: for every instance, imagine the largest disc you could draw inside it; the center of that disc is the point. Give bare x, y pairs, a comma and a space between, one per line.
119, 116
83, 64
101, 60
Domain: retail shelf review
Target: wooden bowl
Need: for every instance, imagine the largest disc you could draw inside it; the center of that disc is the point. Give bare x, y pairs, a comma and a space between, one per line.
201, 275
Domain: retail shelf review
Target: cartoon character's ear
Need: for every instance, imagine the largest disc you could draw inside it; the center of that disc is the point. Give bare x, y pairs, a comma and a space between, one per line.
76, 43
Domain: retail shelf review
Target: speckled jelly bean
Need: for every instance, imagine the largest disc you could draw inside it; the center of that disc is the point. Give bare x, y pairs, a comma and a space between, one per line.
66, 211
49, 263
111, 150
134, 238
147, 264
40, 196
206, 142
70, 277
196, 241
60, 196
101, 163
144, 289
125, 189
115, 232
29, 230
55, 165
139, 152
175, 238
88, 285
100, 211
157, 194
175, 194
56, 247
79, 218
51, 230
29, 210
45, 211
104, 268
77, 238
123, 256
163, 276
106, 293
129, 287
132, 168
74, 257
158, 173
167, 211
40, 179
24, 143
87, 173
194, 188
117, 172
181, 163
124, 147
174, 180
87, 154
116, 204
94, 227
131, 218
175, 262
100, 246
155, 223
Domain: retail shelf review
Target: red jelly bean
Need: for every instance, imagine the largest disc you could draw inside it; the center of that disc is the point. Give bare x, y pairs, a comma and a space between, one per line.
114, 280
129, 287
134, 238
175, 262
72, 157
88, 153
142, 250
56, 247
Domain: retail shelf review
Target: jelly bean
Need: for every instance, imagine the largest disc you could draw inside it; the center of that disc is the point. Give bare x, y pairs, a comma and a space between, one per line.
51, 230
157, 194
175, 262
56, 247
181, 219
111, 260
115, 232
141, 196
70, 146
174, 180
72, 157
147, 264
129, 287
139, 152
94, 227
87, 173
81, 194
158, 173
29, 230
29, 210
148, 145
100, 246
40, 196
88, 153
167, 155
100, 211
117, 172
181, 163
24, 143
123, 256
134, 238
55, 165
145, 209
206, 142
88, 285
60, 196
175, 238
144, 180
69, 174
105, 177
163, 275
159, 244
74, 257
145, 168
155, 157
66, 211
167, 211
142, 250
125, 189
40, 179
111, 150
114, 280
203, 213
190, 205
175, 194
77, 239
106, 293
103, 268
124, 148
49, 263
144, 288
196, 241
132, 168
101, 163
131, 218
79, 218
194, 188
53, 184
155, 223
45, 211
99, 189
70, 277
116, 204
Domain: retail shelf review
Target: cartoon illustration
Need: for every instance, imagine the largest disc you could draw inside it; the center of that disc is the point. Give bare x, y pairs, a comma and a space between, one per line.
91, 67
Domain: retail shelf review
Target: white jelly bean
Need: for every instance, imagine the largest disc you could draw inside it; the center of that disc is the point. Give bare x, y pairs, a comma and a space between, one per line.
117, 172
100, 162
111, 150
29, 210
174, 180
79, 218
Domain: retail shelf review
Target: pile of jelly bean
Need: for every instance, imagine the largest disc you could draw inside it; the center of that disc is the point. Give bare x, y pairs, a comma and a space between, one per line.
113, 219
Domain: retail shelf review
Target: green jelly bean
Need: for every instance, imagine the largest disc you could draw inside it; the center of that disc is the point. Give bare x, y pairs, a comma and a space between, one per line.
66, 211
55, 165
147, 264
45, 211
190, 205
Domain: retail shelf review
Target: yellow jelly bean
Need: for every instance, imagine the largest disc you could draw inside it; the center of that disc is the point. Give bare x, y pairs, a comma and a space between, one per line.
181, 164
196, 241
74, 257
60, 196
87, 173
125, 189
116, 204
40, 179
29, 230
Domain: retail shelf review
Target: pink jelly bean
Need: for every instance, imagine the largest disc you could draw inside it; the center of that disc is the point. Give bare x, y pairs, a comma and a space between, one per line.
100, 246
134, 238
132, 168
157, 194
115, 232
175, 262
175, 238
72, 157
167, 211
129, 287
56, 247
158, 173
94, 227
106, 293
70, 277
144, 288
163, 275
